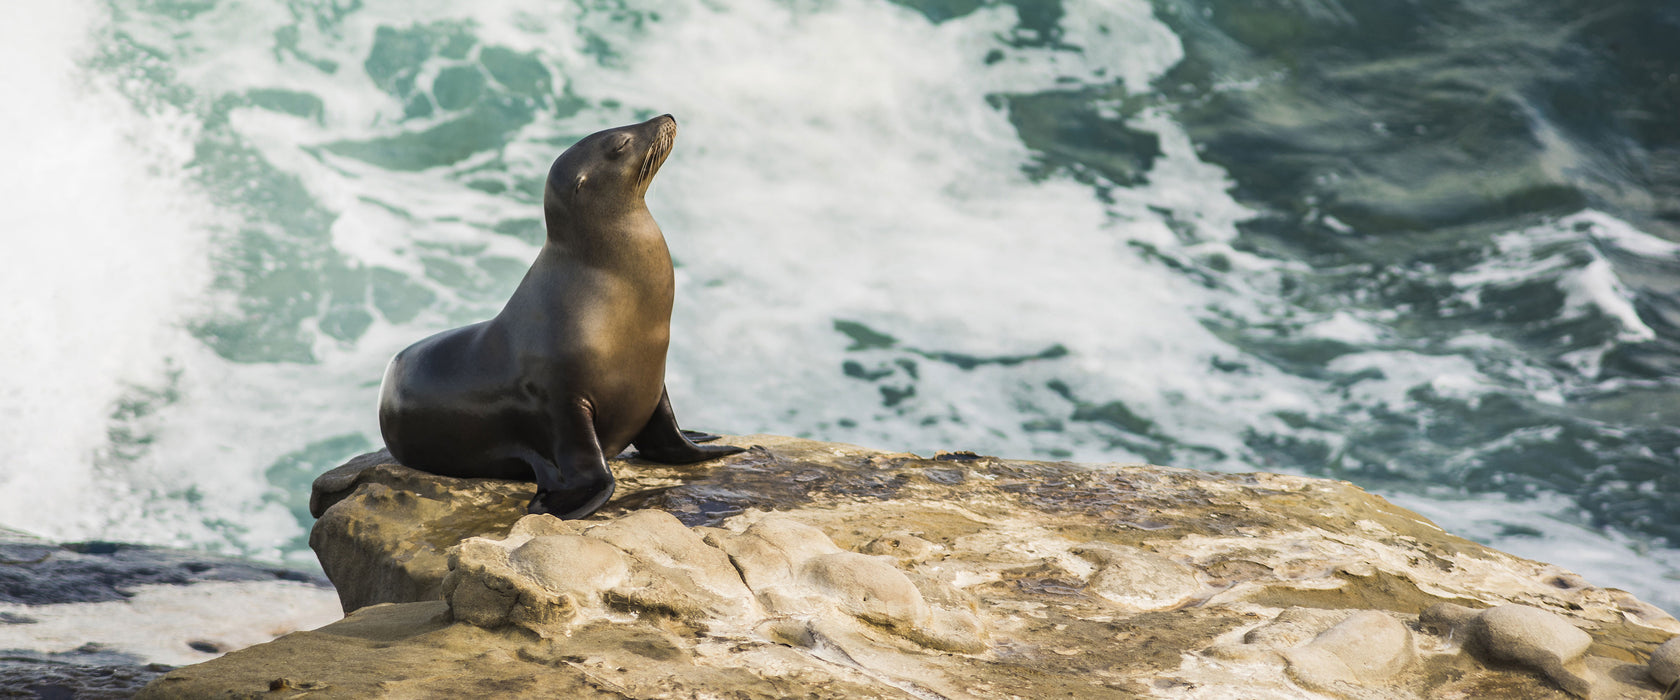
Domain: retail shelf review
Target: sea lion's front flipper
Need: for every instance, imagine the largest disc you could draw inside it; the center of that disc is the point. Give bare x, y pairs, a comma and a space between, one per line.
578, 482
662, 441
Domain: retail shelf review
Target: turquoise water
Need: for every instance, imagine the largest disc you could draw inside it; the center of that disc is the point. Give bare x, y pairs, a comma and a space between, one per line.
1426, 247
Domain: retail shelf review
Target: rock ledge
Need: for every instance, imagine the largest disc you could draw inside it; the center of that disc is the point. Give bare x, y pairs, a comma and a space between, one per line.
810, 569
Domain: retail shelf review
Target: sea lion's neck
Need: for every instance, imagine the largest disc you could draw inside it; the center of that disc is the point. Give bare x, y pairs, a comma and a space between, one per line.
625, 240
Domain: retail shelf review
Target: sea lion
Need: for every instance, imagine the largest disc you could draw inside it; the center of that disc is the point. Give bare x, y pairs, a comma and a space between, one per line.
572, 370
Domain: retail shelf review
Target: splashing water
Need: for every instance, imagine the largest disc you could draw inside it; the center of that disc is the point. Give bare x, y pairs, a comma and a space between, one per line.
1026, 228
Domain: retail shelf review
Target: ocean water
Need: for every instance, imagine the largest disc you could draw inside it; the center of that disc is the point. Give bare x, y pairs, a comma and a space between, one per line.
1428, 247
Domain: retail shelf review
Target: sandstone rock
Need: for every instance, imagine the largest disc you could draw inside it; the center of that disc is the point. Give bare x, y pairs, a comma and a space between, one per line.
1448, 618
383, 530
1365, 649
1293, 627
1665, 663
1520, 634
771, 555
1531, 636
807, 569
569, 564
648, 563
674, 570
868, 589
485, 588
902, 545
1138, 580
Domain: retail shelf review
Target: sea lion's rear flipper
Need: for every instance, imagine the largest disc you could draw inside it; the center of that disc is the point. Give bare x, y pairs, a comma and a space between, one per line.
578, 481
662, 441
698, 437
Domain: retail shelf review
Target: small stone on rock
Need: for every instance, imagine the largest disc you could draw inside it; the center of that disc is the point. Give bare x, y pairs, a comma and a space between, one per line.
1367, 646
1541, 640
1530, 635
1665, 663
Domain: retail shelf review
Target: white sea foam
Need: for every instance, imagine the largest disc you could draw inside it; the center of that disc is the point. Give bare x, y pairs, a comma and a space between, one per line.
160, 623
1344, 326
1625, 237
104, 254
1451, 375
1597, 287
1551, 250
884, 188
890, 193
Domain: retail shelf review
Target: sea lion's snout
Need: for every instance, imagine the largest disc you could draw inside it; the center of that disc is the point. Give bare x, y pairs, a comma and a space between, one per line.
659, 148
667, 131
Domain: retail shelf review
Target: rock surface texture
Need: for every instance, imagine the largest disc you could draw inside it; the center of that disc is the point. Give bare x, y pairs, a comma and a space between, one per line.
809, 569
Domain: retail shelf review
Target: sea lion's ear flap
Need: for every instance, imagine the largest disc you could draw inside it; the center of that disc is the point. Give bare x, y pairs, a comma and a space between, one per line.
577, 185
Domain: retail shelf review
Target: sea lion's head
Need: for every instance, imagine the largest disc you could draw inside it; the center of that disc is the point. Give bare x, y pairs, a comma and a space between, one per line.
607, 173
